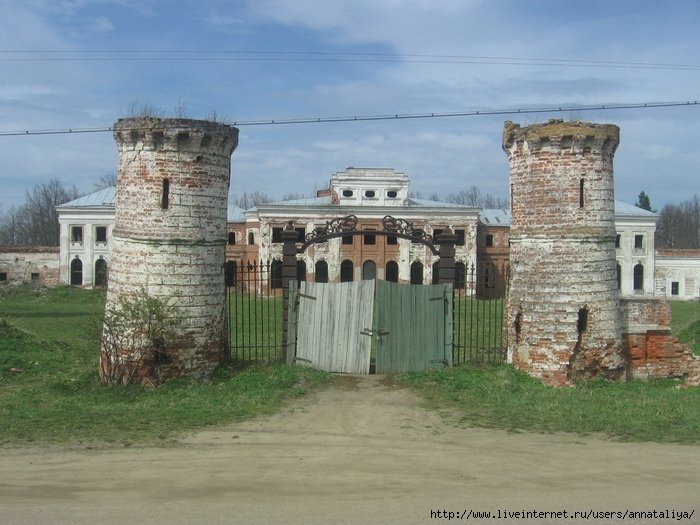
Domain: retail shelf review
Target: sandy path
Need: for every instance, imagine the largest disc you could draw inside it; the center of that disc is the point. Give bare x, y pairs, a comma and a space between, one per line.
362, 451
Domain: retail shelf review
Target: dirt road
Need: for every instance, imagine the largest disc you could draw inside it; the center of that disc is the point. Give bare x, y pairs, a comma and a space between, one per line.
362, 451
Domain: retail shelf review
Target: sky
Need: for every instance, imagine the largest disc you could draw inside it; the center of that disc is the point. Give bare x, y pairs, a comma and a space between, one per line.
83, 64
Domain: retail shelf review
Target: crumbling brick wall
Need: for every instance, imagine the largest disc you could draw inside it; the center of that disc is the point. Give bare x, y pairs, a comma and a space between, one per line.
562, 312
170, 232
29, 264
652, 351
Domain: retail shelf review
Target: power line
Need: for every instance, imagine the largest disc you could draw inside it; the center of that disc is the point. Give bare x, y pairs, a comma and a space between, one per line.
127, 55
397, 116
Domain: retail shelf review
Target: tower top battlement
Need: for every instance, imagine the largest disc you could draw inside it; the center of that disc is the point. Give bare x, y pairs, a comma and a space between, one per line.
576, 136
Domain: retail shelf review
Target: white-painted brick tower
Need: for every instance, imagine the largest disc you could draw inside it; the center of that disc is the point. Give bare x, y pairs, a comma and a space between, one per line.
562, 310
170, 232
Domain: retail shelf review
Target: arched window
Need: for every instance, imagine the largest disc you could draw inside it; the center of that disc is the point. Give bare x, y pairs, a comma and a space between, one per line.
392, 272
276, 274
369, 271
231, 272
76, 272
417, 273
321, 272
100, 272
301, 270
346, 271
639, 277
436, 272
460, 275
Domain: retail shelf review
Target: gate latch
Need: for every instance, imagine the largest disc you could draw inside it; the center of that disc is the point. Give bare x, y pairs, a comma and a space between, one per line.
378, 333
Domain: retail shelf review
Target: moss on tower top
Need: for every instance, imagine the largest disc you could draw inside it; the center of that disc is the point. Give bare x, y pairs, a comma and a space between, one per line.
556, 129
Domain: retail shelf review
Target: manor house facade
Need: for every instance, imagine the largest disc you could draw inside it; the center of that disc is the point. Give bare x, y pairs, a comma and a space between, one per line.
370, 194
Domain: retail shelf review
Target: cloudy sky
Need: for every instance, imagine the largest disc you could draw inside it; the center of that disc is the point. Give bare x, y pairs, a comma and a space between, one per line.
85, 63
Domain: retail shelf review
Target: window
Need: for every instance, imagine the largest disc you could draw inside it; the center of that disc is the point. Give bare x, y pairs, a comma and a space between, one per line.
231, 274
417, 273
76, 234
436, 232
347, 239
301, 271
580, 194
392, 272
276, 274
276, 235
391, 240
101, 234
232, 237
490, 276
370, 194
617, 240
321, 272
348, 193
674, 288
76, 272
436, 272
34, 276
460, 275
619, 277
346, 271
301, 234
392, 194
100, 272
3, 276
582, 324
369, 271
165, 196
370, 238
638, 277
251, 238
461, 239
489, 240
639, 241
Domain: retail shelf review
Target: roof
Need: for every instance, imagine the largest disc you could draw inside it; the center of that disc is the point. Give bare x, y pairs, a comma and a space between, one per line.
435, 204
103, 197
235, 214
495, 217
622, 208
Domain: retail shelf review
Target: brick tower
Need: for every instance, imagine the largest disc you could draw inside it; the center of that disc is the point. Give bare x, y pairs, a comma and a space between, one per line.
170, 234
563, 319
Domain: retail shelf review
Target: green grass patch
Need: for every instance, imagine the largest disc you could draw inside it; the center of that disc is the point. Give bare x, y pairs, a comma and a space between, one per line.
50, 393
501, 397
685, 323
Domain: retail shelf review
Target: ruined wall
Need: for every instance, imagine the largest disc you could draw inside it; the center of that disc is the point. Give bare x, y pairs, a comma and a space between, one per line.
170, 231
651, 349
29, 264
562, 312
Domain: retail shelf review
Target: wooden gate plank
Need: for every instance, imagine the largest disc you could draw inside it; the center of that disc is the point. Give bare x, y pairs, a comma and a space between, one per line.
331, 317
292, 321
417, 319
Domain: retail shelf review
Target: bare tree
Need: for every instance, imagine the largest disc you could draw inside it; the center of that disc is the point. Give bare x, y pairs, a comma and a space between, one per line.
247, 200
679, 225
293, 196
105, 181
36, 221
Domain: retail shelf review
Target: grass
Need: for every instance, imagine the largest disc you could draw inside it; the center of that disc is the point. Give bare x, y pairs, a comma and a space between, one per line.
685, 323
501, 397
50, 393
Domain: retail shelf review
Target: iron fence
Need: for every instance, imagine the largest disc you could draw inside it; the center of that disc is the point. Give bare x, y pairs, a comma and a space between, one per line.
255, 314
254, 299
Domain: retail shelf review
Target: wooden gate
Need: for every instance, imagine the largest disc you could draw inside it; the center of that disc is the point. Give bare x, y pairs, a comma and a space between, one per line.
333, 326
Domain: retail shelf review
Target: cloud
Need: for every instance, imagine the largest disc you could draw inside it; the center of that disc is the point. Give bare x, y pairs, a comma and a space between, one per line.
102, 24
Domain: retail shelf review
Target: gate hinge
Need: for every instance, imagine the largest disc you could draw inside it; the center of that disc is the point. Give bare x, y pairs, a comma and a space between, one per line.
370, 332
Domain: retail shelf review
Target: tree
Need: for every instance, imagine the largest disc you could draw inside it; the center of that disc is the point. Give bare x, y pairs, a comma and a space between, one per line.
644, 202
105, 181
36, 221
679, 225
247, 200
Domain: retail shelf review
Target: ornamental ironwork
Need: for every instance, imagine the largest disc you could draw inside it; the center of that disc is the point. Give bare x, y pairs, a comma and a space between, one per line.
339, 225
403, 227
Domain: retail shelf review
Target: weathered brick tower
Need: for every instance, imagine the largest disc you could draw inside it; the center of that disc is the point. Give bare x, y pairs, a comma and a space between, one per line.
170, 234
563, 319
